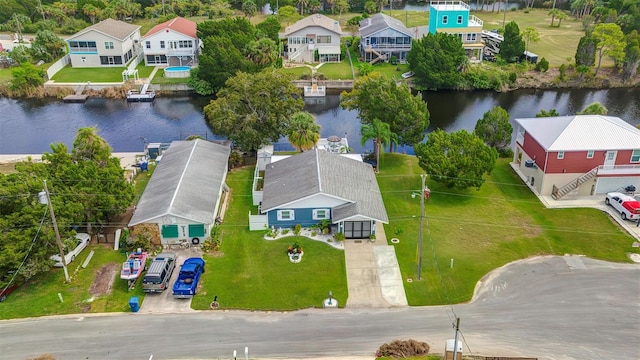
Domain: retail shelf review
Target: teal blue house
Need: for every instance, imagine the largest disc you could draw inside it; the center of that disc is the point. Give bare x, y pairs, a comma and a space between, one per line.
453, 17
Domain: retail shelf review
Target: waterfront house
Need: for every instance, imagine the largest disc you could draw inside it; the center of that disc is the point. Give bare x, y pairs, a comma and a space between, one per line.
107, 43
315, 38
453, 17
382, 37
580, 155
172, 43
320, 185
183, 196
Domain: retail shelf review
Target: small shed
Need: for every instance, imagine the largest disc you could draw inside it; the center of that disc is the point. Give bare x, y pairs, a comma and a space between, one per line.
530, 57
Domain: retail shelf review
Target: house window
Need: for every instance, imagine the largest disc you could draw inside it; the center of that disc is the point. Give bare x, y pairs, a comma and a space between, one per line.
162, 44
635, 156
286, 215
321, 214
459, 19
147, 44
325, 39
590, 154
445, 19
520, 136
560, 155
108, 45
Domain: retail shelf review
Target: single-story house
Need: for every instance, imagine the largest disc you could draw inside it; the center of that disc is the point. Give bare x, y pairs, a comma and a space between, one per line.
319, 185
107, 43
183, 196
569, 156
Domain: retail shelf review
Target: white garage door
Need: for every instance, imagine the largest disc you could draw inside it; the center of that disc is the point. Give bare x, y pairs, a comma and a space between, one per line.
608, 184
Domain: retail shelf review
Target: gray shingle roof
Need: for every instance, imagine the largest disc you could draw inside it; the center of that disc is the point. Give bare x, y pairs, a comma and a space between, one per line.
379, 22
582, 132
315, 20
320, 172
186, 183
115, 28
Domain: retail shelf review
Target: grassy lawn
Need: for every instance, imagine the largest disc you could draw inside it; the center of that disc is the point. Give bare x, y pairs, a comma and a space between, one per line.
297, 71
5, 75
389, 70
97, 75
337, 71
144, 71
482, 230
253, 273
39, 297
159, 78
556, 43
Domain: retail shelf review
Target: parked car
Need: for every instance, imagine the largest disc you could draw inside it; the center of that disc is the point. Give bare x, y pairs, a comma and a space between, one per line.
187, 283
83, 240
627, 206
157, 277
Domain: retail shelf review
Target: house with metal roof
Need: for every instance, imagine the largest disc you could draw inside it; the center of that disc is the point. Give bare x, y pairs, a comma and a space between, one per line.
107, 43
172, 43
580, 155
382, 37
314, 35
318, 185
183, 196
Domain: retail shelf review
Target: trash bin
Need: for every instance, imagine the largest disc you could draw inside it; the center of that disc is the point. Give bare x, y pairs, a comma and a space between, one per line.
133, 304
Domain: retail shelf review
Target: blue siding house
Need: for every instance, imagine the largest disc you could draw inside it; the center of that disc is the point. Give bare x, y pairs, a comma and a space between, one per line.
453, 17
318, 185
382, 37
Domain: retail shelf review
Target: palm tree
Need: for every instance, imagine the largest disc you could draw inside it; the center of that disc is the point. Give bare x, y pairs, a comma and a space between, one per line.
594, 108
561, 16
553, 13
303, 131
263, 52
381, 134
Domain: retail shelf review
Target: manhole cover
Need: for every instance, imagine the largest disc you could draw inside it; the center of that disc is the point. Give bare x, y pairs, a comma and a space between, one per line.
409, 280
395, 240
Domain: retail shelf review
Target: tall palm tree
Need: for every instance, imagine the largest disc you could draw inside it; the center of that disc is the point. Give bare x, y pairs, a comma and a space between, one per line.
303, 131
381, 134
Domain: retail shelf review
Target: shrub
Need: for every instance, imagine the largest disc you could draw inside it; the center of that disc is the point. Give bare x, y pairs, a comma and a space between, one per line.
543, 65
505, 153
563, 71
297, 229
403, 349
513, 77
339, 236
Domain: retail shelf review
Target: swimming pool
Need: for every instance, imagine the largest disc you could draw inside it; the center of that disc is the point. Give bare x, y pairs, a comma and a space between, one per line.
177, 72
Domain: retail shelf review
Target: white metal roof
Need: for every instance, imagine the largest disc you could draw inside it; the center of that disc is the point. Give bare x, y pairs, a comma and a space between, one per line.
582, 132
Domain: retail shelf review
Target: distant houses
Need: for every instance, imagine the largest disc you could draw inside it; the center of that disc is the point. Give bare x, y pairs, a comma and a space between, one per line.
109, 43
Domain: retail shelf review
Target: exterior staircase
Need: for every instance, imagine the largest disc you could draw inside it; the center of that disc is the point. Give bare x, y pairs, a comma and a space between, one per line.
379, 56
558, 193
298, 52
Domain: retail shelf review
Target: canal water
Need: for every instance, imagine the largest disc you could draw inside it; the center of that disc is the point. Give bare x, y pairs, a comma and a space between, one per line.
30, 126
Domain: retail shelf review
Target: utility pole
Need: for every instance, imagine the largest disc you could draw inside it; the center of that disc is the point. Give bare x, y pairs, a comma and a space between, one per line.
55, 228
504, 18
455, 342
423, 177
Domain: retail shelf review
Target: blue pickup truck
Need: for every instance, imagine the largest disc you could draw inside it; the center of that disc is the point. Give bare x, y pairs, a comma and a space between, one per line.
187, 282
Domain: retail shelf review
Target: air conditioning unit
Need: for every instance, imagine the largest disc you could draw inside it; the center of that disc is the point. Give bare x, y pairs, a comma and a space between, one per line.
529, 164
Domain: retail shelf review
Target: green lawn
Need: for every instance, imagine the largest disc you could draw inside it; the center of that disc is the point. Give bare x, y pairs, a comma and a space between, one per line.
253, 273
96, 75
297, 71
5, 75
39, 296
337, 71
482, 230
144, 71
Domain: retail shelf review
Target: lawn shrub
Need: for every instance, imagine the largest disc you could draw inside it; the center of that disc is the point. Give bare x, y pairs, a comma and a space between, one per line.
403, 349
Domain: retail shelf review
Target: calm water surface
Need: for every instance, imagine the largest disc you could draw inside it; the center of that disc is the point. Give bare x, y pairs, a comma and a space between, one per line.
30, 126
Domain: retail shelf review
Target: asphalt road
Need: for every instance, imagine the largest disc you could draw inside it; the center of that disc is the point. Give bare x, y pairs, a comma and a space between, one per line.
550, 308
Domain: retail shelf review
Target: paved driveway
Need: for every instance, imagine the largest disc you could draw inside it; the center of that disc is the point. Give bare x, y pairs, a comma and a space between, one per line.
164, 301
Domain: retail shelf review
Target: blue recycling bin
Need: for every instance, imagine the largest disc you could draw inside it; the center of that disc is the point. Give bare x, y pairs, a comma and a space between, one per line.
134, 304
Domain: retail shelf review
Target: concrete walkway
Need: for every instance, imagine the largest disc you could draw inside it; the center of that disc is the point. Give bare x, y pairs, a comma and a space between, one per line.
373, 274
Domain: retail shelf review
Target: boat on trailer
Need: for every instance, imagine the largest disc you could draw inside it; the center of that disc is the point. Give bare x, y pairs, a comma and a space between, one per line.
134, 266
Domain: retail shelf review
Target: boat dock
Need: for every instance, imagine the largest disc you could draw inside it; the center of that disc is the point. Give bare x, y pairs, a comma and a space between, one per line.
78, 97
143, 96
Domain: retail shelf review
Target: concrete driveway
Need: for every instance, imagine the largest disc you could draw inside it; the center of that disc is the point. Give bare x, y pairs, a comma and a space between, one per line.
164, 301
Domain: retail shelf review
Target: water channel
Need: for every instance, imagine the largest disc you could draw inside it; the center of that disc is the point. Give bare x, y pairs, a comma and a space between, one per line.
30, 126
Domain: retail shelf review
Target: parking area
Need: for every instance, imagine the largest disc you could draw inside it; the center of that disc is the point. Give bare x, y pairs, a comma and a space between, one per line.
164, 301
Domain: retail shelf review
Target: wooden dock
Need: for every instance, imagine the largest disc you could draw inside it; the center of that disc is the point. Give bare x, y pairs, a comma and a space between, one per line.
70, 99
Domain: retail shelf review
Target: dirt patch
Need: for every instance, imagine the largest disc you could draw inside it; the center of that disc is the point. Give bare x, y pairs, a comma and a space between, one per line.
103, 282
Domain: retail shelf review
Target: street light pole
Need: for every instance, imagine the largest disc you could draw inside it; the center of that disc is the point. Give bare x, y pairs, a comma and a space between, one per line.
55, 228
423, 177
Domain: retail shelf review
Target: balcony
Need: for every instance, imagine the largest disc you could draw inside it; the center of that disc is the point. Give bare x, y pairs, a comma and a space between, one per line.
475, 21
180, 52
449, 5
612, 170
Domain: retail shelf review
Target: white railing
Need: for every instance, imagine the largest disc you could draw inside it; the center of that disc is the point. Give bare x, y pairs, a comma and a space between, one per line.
298, 52
315, 90
181, 52
618, 169
476, 20
447, 4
